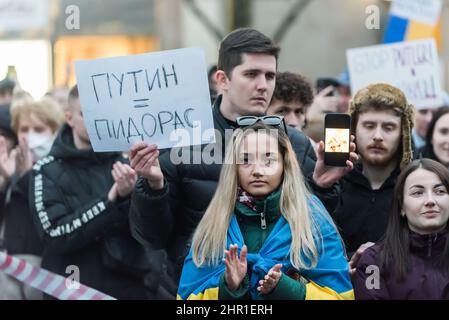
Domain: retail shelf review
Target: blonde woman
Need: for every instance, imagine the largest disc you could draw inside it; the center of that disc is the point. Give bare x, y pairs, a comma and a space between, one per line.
36, 124
243, 247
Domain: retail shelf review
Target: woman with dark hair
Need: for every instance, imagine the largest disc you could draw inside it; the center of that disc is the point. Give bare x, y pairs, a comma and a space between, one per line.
437, 138
412, 260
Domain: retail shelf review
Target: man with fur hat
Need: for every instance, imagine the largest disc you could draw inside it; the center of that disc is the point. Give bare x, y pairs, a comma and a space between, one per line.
382, 121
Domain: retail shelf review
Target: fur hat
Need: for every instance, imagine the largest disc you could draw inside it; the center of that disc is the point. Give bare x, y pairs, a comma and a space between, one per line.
381, 96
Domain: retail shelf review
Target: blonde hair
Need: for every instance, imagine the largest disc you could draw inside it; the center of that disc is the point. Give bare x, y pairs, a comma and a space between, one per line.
46, 110
210, 237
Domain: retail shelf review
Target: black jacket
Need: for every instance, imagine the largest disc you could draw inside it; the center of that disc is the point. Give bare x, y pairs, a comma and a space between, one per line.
167, 218
21, 236
79, 226
362, 213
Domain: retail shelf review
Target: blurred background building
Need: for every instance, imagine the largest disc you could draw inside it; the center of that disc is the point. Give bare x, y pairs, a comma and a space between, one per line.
42, 38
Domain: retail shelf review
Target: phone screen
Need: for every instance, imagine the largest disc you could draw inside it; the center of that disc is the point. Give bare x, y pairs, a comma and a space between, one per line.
337, 140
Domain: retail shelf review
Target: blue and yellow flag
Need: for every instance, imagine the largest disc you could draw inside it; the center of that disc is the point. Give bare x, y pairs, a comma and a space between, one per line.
329, 279
414, 20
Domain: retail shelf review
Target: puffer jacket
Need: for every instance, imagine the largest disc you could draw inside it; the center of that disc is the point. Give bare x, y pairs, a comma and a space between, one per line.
78, 224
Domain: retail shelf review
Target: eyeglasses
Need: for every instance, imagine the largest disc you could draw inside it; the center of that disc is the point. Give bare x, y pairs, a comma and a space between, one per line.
274, 121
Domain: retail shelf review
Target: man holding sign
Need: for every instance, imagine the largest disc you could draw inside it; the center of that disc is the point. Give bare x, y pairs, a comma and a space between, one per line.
169, 200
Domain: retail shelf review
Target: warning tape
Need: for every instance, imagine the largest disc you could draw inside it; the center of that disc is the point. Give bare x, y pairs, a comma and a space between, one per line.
52, 284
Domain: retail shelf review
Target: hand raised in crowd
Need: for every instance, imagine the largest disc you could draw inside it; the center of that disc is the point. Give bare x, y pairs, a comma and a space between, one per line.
24, 157
356, 257
235, 266
7, 163
271, 280
325, 176
323, 103
144, 160
125, 179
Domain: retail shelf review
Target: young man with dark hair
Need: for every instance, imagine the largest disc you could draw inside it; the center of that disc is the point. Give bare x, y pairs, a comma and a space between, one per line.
170, 200
80, 205
293, 95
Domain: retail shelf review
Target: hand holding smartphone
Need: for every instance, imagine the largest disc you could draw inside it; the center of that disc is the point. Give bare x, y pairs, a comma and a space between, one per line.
337, 127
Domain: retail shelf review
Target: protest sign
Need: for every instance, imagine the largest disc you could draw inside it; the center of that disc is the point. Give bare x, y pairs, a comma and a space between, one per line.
423, 11
161, 97
22, 15
411, 66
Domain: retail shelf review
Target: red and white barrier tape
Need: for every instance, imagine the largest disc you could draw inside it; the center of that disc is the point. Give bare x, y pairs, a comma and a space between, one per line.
52, 284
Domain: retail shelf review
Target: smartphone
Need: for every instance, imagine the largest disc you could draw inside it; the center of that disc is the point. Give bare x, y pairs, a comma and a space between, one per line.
323, 83
337, 127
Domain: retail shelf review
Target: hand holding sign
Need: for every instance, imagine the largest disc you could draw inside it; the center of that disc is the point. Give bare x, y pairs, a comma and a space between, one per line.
144, 160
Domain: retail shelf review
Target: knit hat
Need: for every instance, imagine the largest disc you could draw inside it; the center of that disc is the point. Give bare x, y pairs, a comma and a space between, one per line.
381, 95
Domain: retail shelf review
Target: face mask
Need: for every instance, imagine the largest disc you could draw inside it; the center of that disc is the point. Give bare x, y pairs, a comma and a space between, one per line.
39, 144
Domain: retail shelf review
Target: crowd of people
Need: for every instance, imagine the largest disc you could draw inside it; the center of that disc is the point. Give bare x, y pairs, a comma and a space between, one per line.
271, 221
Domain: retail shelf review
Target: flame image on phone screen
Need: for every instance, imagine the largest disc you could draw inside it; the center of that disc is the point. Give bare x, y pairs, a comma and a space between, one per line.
337, 140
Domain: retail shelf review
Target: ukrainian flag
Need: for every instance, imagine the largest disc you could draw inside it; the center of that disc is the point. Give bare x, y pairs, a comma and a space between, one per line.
401, 27
329, 279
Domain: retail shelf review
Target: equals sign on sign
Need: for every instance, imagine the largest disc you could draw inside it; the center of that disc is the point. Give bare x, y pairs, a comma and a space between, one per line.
141, 103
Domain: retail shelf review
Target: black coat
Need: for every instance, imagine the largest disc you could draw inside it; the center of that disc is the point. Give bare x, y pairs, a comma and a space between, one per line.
21, 236
166, 219
362, 213
79, 226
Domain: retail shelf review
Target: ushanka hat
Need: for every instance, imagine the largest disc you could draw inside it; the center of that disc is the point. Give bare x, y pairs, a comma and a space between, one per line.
383, 96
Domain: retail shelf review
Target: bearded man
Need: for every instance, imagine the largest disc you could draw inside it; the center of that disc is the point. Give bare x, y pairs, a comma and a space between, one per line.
382, 121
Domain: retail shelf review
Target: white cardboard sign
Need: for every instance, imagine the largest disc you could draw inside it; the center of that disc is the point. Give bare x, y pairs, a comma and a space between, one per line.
412, 66
161, 97
20, 15
424, 11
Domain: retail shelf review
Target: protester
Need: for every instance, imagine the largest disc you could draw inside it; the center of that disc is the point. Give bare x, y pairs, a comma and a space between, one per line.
169, 200
382, 120
413, 258
437, 138
60, 95
292, 96
8, 142
423, 117
272, 226
340, 90
6, 91
344, 91
323, 103
214, 91
35, 123
422, 121
80, 204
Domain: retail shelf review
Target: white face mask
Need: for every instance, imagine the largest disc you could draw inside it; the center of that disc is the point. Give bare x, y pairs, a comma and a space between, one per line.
39, 144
